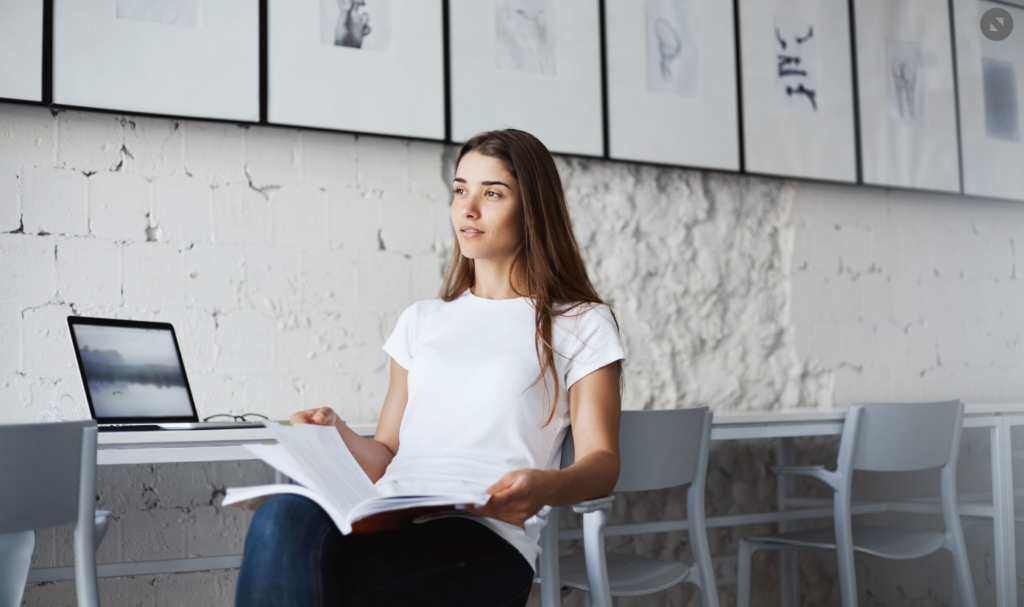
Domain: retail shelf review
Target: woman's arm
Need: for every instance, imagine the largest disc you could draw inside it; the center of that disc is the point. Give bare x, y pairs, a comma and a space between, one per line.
374, 454
595, 409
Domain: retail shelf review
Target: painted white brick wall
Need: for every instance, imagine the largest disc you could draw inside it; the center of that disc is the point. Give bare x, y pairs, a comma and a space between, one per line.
909, 296
283, 258
55, 201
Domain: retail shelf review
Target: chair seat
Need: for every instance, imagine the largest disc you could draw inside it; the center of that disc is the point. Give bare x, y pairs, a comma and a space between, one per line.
886, 542
628, 575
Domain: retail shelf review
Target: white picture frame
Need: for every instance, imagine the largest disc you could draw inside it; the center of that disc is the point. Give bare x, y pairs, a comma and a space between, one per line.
672, 91
200, 60
389, 82
797, 76
990, 78
907, 97
21, 50
544, 79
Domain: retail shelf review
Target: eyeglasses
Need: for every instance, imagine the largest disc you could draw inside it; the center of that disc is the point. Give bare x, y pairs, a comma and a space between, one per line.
245, 417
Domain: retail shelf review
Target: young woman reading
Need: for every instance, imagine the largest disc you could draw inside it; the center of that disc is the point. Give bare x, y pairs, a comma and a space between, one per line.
485, 381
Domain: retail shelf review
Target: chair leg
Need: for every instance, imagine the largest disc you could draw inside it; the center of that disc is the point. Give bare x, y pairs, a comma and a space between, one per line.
788, 578
593, 547
963, 583
743, 558
705, 570
847, 573
550, 582
85, 529
85, 566
15, 562
708, 595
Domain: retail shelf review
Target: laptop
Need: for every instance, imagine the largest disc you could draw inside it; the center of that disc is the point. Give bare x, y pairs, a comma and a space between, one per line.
134, 377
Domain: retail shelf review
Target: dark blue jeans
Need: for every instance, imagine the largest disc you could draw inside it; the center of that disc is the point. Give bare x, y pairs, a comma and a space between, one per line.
295, 556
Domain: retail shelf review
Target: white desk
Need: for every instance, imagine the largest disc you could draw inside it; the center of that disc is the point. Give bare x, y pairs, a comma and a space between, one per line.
173, 446
226, 445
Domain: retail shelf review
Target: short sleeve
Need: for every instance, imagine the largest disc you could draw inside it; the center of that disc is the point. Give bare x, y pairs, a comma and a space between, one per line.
596, 343
401, 346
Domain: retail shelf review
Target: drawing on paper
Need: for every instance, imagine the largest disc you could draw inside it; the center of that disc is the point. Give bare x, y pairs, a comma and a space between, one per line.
525, 36
1002, 112
357, 24
672, 51
182, 13
906, 82
797, 65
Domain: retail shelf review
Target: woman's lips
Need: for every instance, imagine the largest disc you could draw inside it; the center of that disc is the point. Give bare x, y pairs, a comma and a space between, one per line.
470, 234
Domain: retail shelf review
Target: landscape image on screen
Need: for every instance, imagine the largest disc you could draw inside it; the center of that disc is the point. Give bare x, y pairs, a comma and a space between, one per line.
132, 372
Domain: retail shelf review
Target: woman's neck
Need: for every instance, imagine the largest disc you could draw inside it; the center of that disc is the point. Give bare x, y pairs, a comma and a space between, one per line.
491, 280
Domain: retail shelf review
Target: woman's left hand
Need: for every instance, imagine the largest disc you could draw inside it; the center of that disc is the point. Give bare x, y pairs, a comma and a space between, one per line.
517, 496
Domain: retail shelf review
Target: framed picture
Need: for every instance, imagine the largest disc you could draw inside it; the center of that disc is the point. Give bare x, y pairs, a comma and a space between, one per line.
373, 66
21, 49
990, 77
197, 58
908, 131
672, 82
798, 112
534, 65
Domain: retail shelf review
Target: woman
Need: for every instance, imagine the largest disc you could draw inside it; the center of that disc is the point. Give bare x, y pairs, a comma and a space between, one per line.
484, 383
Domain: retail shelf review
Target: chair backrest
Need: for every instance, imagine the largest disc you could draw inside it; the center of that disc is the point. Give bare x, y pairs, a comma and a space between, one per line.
41, 469
657, 449
895, 437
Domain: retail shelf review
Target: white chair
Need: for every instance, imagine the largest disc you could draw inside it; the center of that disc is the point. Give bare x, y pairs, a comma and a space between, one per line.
882, 437
48, 477
658, 449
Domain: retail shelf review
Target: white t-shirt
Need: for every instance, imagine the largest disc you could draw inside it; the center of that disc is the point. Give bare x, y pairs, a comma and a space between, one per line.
471, 416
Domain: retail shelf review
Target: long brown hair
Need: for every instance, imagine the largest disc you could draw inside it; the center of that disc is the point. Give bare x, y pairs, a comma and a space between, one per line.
549, 260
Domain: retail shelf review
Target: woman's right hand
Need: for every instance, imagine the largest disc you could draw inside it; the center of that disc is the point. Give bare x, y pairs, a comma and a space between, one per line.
324, 416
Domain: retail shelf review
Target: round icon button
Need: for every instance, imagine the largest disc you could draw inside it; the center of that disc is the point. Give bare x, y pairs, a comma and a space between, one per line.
996, 24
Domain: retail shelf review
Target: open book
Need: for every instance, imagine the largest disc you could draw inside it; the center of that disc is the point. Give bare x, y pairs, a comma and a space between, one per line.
317, 459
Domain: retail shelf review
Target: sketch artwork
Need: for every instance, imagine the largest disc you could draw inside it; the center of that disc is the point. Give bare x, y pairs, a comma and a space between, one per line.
672, 51
905, 81
797, 65
1002, 111
183, 13
525, 36
358, 24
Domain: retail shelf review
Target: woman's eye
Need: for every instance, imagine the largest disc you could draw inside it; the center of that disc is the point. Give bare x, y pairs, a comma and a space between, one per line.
496, 195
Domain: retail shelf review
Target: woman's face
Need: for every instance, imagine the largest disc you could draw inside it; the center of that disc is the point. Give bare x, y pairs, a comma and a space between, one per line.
487, 213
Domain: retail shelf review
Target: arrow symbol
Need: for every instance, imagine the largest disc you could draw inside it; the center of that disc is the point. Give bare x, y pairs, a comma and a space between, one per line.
996, 24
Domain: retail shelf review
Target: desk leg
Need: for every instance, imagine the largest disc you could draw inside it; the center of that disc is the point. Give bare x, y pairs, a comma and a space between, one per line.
1003, 523
789, 582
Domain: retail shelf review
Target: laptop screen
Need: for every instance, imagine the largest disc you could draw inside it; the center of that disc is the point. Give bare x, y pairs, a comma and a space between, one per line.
131, 370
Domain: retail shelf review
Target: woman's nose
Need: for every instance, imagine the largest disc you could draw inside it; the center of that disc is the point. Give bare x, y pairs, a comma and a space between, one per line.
470, 207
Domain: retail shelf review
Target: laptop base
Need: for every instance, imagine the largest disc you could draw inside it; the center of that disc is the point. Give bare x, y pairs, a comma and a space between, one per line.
178, 426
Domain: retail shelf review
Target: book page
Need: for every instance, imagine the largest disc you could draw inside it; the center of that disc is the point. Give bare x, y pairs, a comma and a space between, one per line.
253, 497
317, 457
398, 502
326, 461
279, 457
